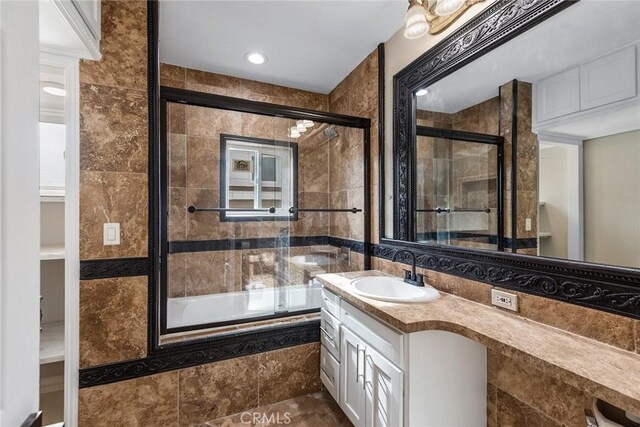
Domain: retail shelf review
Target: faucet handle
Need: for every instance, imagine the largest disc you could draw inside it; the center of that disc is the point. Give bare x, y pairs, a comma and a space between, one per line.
420, 279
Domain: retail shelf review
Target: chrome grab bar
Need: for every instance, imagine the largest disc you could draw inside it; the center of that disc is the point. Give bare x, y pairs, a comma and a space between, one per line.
193, 209
323, 330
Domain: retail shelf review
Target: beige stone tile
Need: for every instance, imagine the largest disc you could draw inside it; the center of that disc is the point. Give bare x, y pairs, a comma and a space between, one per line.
637, 335
492, 405
177, 158
203, 162
146, 402
176, 275
533, 387
469, 289
123, 47
176, 118
177, 215
514, 413
213, 83
172, 73
211, 122
312, 410
311, 223
113, 129
599, 325
113, 320
113, 197
207, 225
213, 272
216, 390
289, 372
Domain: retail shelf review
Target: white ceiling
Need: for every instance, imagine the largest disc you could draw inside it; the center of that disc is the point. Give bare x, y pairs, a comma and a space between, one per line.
51, 106
585, 30
311, 45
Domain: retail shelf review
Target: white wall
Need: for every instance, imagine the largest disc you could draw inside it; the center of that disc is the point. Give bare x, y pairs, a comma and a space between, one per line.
19, 211
400, 52
553, 191
612, 199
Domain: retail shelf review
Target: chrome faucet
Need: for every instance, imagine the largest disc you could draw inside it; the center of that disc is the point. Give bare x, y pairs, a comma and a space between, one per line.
410, 276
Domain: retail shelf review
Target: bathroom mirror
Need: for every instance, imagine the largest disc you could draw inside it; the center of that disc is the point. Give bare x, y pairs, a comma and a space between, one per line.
561, 104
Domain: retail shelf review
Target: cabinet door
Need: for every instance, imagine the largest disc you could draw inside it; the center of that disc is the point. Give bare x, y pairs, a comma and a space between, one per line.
608, 79
351, 392
557, 96
384, 391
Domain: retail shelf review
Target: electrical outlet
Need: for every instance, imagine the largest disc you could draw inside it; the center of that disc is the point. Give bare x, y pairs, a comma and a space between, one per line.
527, 224
111, 233
504, 300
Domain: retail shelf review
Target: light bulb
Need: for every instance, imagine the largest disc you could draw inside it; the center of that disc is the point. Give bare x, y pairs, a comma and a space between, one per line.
308, 123
447, 7
294, 133
416, 24
255, 58
422, 92
300, 126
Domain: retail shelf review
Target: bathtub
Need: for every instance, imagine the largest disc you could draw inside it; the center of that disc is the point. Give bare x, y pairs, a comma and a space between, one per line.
238, 306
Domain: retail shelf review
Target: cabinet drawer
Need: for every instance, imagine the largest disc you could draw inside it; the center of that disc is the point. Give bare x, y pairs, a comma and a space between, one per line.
331, 302
330, 333
330, 372
385, 340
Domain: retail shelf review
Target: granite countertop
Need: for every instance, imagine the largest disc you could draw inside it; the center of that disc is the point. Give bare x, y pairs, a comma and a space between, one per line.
599, 369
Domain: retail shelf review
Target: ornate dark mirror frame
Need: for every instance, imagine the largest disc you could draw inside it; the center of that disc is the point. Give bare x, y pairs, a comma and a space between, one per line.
607, 288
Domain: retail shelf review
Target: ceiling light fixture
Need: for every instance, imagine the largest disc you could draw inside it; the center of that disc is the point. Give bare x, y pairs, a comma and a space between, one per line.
53, 88
256, 58
416, 24
447, 7
308, 123
293, 132
300, 126
422, 92
433, 16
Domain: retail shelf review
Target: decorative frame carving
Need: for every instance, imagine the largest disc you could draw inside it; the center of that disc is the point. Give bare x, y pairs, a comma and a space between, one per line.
602, 287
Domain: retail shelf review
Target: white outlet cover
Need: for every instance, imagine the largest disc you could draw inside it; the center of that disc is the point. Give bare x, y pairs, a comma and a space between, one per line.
504, 300
111, 233
527, 224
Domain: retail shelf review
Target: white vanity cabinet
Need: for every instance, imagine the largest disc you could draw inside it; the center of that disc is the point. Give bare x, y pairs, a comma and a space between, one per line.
386, 378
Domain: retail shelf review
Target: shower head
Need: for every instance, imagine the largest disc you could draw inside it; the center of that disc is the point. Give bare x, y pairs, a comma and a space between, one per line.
330, 133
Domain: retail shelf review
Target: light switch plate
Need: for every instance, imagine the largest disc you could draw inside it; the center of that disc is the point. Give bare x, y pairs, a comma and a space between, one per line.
111, 233
527, 224
504, 300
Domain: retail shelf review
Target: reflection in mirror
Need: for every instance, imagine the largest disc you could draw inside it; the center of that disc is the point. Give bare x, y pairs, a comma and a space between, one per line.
569, 113
459, 196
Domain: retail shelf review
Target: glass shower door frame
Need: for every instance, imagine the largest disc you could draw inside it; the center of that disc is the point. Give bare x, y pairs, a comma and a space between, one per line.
480, 138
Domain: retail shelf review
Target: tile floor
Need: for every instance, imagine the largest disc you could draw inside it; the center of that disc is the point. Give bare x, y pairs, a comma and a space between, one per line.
312, 410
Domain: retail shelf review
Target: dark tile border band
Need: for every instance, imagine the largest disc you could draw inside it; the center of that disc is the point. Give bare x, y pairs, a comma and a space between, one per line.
116, 267
593, 286
183, 246
200, 353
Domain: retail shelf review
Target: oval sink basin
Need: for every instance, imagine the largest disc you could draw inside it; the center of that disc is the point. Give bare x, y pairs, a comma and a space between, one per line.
392, 289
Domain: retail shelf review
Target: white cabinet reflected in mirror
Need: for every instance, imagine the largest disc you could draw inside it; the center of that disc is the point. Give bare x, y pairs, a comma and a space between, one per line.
568, 108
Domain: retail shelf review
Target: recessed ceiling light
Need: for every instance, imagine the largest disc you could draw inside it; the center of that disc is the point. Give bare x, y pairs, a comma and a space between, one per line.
53, 88
422, 92
256, 58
